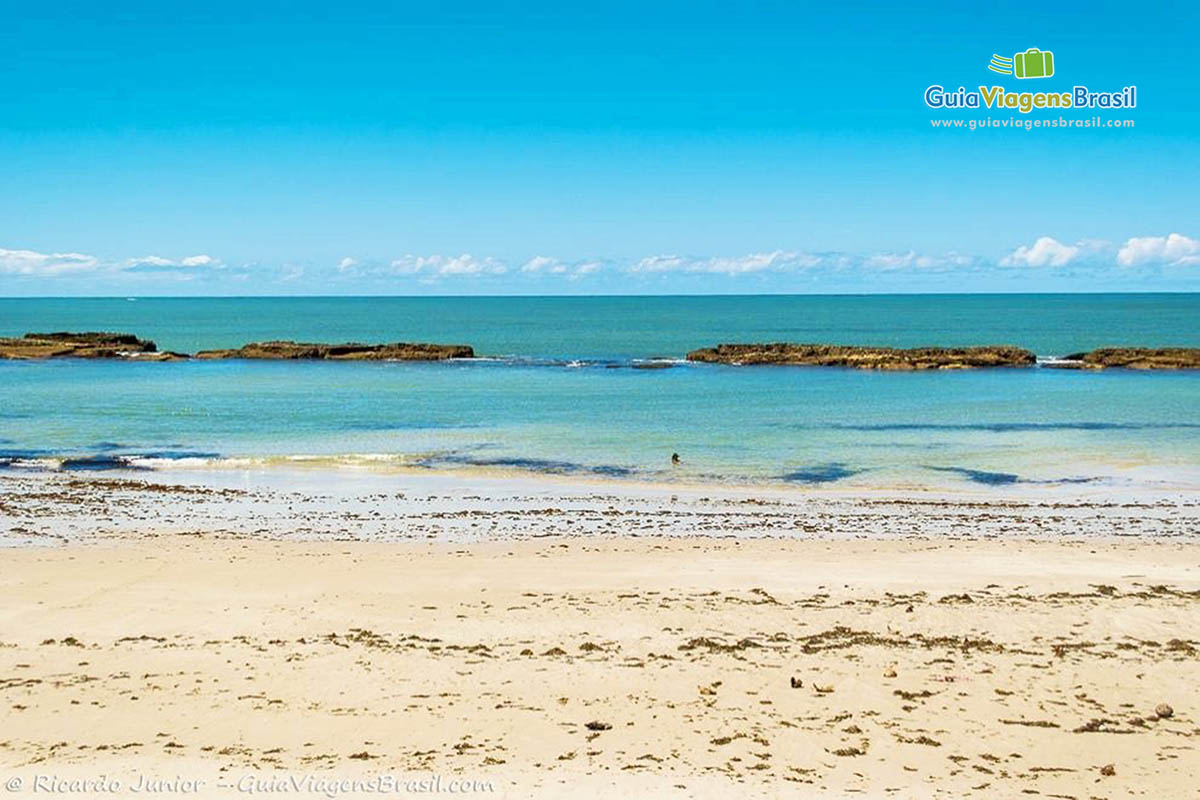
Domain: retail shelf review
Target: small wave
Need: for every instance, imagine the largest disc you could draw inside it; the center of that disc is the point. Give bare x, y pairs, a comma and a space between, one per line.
100, 456
98, 463
542, 465
1011, 427
652, 363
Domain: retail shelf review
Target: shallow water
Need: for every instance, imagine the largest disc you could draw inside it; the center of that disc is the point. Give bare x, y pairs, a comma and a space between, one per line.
556, 391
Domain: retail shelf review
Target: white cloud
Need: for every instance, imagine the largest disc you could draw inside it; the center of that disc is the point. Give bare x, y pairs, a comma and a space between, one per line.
660, 264
539, 264
914, 260
467, 264
160, 264
585, 269
30, 262
151, 261
1172, 250
789, 261
545, 265
291, 272
438, 265
1045, 252
779, 260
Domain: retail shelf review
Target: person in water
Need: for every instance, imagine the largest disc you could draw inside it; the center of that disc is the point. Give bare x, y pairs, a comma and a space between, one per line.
675, 459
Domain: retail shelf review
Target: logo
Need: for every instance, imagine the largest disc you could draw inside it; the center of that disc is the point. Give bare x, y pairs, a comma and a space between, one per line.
1033, 63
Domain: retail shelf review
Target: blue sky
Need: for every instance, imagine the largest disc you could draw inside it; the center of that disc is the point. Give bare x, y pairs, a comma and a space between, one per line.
544, 148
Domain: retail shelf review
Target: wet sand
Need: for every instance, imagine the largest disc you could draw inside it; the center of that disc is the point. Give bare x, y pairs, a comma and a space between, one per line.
795, 646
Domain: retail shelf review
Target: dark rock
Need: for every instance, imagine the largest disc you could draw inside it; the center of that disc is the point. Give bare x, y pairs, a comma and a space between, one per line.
350, 351
1133, 358
92, 344
598, 726
885, 358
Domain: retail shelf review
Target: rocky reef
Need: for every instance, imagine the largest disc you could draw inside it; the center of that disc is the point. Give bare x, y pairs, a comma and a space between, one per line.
1132, 358
92, 344
350, 351
128, 347
882, 358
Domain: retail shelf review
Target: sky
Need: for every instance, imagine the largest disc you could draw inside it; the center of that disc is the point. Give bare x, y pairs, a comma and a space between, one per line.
280, 148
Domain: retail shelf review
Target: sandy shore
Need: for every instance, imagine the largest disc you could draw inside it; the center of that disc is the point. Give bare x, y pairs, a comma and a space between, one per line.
854, 647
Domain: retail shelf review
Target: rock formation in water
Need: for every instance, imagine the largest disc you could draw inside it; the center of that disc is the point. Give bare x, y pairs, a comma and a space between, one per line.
396, 351
884, 358
1132, 358
64, 344
126, 346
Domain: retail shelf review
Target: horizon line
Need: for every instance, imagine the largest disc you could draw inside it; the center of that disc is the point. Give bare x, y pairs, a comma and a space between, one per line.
597, 296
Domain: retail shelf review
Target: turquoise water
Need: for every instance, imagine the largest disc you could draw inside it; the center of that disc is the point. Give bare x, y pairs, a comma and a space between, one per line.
556, 391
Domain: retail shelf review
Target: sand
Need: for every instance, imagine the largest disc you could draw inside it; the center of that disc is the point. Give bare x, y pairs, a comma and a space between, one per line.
804, 645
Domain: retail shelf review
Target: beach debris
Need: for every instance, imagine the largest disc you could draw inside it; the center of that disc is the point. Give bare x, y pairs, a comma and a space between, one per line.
595, 725
922, 739
826, 689
850, 751
1108, 770
1096, 726
890, 672
796, 683
555, 651
526, 652
717, 646
711, 689
362, 756
1163, 711
766, 598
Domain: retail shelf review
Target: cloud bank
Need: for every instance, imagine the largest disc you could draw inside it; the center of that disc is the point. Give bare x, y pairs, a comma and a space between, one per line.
1150, 257
1172, 250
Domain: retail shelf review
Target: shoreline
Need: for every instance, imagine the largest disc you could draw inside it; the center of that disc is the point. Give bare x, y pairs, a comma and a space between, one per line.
371, 505
1114, 476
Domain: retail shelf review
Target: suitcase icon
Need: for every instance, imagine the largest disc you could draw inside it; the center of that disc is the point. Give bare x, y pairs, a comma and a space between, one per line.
1033, 63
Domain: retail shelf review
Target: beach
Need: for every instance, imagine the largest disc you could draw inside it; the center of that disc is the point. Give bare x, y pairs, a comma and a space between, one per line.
695, 401
544, 638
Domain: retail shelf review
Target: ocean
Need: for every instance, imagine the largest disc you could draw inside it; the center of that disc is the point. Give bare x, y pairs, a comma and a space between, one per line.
555, 390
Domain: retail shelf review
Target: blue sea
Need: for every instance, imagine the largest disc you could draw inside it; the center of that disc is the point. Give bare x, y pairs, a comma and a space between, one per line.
555, 389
